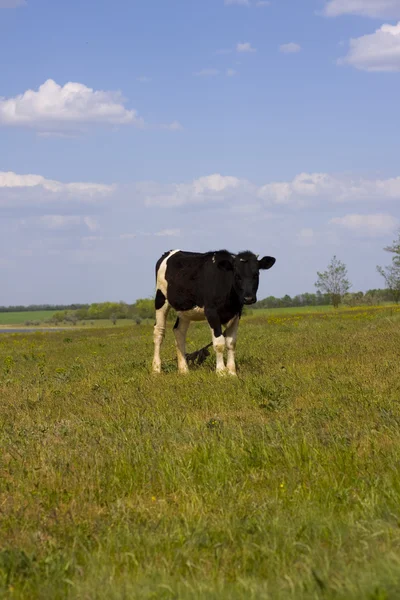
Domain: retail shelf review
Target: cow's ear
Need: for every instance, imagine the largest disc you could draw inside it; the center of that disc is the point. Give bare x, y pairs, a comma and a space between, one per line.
266, 262
225, 265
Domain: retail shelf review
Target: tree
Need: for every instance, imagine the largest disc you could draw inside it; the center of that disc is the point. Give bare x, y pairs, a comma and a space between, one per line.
391, 273
334, 281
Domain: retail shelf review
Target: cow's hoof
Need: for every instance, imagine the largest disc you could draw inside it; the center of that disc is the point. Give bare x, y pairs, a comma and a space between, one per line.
232, 373
221, 372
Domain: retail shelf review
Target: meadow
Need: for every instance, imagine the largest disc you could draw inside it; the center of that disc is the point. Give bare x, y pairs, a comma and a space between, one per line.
19, 318
41, 316
282, 483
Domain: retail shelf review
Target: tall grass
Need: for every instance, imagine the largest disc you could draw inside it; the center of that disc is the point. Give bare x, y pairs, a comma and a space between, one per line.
281, 484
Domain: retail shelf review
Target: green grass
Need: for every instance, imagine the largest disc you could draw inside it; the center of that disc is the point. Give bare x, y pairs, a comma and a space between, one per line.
284, 483
294, 311
19, 318
309, 309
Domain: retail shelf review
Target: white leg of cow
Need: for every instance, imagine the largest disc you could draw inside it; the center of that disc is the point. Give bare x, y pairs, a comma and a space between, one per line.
180, 332
219, 347
230, 338
159, 333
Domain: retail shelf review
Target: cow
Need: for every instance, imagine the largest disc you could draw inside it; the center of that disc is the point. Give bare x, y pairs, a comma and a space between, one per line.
212, 286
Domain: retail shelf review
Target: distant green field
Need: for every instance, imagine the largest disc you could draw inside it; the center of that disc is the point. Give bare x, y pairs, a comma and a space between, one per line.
19, 318
295, 310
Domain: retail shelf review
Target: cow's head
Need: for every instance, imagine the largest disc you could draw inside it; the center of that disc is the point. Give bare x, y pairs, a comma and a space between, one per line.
246, 275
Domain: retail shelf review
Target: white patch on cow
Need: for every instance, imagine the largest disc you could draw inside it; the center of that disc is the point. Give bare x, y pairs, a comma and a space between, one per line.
195, 314
162, 283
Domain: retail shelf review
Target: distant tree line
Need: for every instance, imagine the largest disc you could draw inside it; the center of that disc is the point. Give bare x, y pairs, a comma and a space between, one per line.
41, 307
143, 308
371, 297
140, 310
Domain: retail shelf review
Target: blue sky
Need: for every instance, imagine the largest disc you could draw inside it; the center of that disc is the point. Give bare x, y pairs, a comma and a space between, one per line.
130, 128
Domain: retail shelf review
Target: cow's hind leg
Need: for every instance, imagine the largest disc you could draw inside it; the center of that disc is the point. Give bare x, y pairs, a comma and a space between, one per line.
230, 337
180, 330
162, 310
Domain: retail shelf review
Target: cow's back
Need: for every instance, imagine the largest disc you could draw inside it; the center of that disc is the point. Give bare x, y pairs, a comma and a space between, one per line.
192, 279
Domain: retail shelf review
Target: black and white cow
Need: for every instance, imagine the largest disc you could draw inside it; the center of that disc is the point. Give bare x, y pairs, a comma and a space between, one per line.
212, 286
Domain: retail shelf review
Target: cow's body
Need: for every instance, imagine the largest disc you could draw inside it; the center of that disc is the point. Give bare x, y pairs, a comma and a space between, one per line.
212, 286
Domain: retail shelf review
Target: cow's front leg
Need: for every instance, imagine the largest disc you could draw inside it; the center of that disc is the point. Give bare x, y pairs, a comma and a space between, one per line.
217, 338
180, 330
230, 338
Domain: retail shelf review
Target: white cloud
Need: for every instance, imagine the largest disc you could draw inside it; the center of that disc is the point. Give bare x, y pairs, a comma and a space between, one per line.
237, 2
367, 8
12, 3
370, 225
54, 107
305, 189
207, 73
258, 3
379, 51
231, 72
290, 48
10, 181
174, 126
168, 233
308, 188
62, 222
245, 47
214, 183
212, 188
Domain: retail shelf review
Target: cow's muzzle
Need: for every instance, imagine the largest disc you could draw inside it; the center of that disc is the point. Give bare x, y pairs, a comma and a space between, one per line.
250, 299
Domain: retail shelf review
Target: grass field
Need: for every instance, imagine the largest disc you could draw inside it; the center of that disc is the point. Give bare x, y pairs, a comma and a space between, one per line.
282, 483
298, 311
19, 318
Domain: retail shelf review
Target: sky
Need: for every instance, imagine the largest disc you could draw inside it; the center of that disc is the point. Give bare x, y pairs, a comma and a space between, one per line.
131, 127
